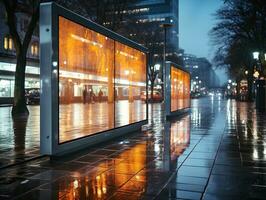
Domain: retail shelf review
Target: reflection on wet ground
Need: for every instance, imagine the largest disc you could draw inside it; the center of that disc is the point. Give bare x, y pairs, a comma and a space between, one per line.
97, 117
216, 152
19, 138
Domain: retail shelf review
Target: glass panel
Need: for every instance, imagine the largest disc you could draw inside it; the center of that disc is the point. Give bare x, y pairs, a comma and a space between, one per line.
5, 88
32, 83
36, 49
130, 82
10, 44
32, 49
86, 88
186, 90
6, 43
180, 89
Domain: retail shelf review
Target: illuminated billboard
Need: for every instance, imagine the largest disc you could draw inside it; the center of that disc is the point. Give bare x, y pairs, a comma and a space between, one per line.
177, 87
94, 83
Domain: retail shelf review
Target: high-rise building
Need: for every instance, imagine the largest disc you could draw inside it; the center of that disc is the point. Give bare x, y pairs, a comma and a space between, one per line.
149, 16
201, 72
142, 22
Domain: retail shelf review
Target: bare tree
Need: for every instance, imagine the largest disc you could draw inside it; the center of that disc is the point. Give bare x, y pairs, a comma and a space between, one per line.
240, 31
21, 44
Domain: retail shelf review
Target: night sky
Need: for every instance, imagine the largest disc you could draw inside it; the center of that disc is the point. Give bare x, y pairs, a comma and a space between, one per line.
195, 21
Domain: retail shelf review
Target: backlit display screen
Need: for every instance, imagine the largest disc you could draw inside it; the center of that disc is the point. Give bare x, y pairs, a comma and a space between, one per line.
180, 89
100, 82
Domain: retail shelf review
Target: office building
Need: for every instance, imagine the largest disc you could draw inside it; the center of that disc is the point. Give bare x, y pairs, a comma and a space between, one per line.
202, 72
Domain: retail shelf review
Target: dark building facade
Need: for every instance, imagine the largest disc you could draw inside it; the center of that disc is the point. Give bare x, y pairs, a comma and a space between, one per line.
8, 57
158, 12
202, 73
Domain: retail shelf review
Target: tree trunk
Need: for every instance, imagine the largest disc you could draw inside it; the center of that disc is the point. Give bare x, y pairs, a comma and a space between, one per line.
238, 90
152, 88
19, 105
250, 88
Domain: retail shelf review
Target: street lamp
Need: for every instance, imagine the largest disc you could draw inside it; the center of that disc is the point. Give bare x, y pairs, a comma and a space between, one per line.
256, 74
246, 72
256, 55
157, 67
165, 26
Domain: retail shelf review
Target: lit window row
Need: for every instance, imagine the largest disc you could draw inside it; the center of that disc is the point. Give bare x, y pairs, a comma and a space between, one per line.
34, 49
150, 20
9, 45
138, 10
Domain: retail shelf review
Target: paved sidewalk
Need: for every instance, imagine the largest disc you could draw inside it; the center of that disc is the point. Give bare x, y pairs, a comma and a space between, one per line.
216, 152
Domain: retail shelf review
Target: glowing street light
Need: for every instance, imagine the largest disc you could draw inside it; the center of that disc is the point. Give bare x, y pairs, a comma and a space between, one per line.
229, 81
256, 74
157, 67
246, 72
256, 55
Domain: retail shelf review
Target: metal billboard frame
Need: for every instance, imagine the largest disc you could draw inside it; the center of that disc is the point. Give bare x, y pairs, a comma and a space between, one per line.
49, 68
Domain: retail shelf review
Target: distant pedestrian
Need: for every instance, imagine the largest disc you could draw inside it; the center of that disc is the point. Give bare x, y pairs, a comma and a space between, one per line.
100, 95
84, 93
92, 96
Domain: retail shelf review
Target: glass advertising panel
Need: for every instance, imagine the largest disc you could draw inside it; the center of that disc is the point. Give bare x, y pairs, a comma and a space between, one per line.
180, 89
130, 83
186, 88
86, 67
93, 95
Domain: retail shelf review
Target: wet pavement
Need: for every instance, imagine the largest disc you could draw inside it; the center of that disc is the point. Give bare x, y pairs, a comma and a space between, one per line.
19, 138
215, 152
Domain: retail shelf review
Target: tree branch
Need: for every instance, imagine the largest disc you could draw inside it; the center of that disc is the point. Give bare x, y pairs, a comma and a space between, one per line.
31, 27
10, 6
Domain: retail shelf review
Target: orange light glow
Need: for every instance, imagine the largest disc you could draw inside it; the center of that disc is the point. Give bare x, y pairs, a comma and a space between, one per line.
100, 186
100, 82
180, 89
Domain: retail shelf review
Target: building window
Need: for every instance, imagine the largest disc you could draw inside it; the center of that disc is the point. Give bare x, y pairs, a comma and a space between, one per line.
5, 43
35, 49
6, 88
8, 43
